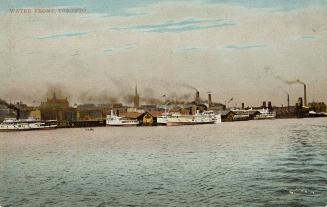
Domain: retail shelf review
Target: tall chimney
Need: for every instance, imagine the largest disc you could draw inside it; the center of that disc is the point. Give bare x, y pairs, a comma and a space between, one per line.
305, 95
243, 106
197, 97
269, 105
209, 100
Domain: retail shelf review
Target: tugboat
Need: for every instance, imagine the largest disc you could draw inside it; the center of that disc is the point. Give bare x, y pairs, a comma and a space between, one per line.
113, 120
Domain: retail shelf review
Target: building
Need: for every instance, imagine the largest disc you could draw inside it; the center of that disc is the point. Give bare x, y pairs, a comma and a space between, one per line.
317, 106
57, 109
35, 114
89, 112
147, 119
227, 115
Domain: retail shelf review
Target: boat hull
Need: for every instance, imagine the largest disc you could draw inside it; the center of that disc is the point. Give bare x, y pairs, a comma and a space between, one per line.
25, 129
122, 125
187, 123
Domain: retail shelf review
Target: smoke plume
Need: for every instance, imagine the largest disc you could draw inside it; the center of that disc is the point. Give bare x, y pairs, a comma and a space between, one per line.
94, 96
268, 70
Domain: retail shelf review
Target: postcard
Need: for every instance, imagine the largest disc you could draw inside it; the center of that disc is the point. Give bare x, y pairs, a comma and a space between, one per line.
163, 103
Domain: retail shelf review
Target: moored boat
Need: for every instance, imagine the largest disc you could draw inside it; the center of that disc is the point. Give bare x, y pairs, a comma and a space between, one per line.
12, 124
113, 120
177, 119
265, 114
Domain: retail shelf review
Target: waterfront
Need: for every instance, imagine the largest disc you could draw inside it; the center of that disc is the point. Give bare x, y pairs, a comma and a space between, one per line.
254, 163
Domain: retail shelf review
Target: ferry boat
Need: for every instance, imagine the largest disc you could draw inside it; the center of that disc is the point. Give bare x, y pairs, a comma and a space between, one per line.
265, 114
113, 120
176, 119
12, 124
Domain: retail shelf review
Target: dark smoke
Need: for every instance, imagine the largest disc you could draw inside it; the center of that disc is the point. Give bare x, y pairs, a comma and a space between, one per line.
189, 86
128, 98
285, 91
11, 106
148, 97
59, 89
278, 77
94, 96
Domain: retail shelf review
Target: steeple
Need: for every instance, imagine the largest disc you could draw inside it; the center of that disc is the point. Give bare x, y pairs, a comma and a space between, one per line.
136, 98
136, 89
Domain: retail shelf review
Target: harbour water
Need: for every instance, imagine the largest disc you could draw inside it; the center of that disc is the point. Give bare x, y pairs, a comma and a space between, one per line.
254, 163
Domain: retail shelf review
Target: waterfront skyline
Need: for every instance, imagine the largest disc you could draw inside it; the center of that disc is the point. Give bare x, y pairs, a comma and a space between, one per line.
242, 49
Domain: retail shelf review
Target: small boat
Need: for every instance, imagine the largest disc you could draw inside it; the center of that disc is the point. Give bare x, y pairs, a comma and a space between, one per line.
12, 124
113, 120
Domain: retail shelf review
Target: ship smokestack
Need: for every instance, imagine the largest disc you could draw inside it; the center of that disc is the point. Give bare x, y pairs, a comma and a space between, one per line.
209, 100
269, 105
264, 105
300, 102
305, 94
243, 106
288, 102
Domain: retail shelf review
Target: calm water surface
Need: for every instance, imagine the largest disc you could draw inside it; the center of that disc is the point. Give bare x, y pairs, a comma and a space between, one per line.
255, 163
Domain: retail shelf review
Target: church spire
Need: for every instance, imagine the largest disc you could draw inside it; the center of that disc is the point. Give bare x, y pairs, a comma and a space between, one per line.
136, 98
136, 89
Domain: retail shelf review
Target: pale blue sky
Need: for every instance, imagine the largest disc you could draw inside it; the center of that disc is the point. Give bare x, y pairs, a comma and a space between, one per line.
118, 7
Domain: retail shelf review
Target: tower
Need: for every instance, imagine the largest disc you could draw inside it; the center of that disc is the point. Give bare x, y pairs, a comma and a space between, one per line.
209, 99
136, 98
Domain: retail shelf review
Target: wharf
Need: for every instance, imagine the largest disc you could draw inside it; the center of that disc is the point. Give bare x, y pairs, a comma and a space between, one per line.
78, 124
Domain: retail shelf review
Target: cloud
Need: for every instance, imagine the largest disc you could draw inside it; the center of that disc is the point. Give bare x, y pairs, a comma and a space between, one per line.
181, 26
125, 47
190, 49
64, 35
308, 37
108, 50
245, 46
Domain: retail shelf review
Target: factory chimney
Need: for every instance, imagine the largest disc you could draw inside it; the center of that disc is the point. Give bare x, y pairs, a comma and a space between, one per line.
197, 97
209, 100
242, 106
305, 94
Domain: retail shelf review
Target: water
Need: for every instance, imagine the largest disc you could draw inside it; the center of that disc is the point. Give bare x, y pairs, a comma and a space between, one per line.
255, 163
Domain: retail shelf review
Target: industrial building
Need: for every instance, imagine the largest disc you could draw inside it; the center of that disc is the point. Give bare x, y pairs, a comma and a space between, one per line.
57, 109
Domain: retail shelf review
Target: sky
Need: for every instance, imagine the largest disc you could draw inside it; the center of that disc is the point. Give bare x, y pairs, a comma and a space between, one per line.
249, 50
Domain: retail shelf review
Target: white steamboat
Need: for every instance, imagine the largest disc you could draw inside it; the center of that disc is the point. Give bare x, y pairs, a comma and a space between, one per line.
12, 124
113, 120
177, 119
